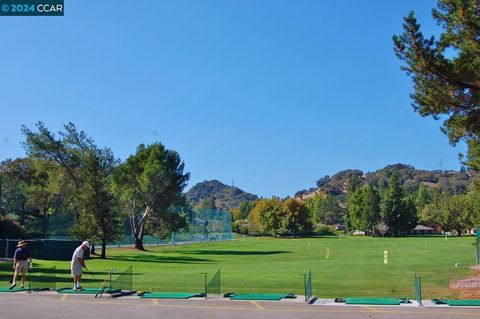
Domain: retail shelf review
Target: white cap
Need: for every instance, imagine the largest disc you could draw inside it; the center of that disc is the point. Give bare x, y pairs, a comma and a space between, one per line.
86, 243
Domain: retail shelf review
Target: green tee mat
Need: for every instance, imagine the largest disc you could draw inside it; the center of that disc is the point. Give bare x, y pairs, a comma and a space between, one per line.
457, 302
258, 296
170, 295
86, 291
374, 301
16, 289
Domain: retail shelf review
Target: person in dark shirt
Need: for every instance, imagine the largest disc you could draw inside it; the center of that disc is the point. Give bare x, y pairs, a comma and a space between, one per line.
20, 263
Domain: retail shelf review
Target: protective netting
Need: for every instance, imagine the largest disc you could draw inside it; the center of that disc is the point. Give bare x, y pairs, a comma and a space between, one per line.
123, 281
213, 287
204, 225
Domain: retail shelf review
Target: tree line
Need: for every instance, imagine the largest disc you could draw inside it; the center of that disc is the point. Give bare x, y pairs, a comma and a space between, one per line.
392, 211
70, 173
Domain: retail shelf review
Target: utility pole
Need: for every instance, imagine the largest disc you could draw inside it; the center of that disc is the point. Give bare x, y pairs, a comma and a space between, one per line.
1, 181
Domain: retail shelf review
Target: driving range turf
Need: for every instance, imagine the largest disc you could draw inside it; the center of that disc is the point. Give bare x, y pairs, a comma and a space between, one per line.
355, 267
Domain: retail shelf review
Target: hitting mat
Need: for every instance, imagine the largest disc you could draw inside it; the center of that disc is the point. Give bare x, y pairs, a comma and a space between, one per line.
457, 302
16, 289
86, 291
373, 301
259, 296
171, 295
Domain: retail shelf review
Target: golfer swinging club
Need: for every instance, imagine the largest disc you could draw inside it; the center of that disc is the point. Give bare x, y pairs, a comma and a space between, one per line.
78, 263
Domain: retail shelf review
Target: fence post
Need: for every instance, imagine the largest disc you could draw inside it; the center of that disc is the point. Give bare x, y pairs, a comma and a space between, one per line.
305, 285
478, 246
6, 248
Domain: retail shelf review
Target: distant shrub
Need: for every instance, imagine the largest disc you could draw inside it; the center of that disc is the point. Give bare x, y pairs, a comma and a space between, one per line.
241, 227
325, 230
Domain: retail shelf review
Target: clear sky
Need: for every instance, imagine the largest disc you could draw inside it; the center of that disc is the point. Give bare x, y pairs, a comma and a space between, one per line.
269, 94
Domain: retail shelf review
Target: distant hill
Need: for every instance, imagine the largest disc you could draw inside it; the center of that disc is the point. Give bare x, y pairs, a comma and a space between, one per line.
455, 182
226, 197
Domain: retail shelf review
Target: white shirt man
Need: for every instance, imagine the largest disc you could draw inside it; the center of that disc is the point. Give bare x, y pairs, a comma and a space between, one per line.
78, 263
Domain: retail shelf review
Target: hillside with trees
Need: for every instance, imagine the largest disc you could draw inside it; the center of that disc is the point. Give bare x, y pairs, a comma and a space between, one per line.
224, 197
391, 201
455, 182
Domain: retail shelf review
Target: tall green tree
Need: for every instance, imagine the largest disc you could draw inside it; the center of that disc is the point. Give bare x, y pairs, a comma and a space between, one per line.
88, 168
267, 216
150, 181
313, 205
355, 208
456, 215
446, 71
423, 197
371, 208
364, 208
331, 212
295, 217
352, 203
473, 200
244, 209
325, 209
17, 174
398, 212
46, 189
33, 190
409, 218
431, 213
100, 218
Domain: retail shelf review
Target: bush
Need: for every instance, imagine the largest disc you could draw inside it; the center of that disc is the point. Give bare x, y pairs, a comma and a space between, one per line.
9, 228
241, 227
325, 230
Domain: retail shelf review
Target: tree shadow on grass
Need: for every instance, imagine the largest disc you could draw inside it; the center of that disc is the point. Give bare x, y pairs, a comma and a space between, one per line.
160, 259
235, 252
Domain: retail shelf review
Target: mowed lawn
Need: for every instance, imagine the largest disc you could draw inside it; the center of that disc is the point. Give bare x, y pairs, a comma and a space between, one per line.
355, 266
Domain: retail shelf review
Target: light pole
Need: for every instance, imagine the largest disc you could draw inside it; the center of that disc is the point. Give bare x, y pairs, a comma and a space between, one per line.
1, 181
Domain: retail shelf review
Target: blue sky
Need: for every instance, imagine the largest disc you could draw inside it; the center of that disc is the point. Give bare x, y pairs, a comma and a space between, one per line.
269, 94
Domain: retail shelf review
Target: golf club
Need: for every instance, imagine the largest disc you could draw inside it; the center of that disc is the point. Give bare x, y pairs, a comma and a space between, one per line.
91, 274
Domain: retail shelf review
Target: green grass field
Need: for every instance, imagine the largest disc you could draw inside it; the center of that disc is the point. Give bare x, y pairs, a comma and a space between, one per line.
355, 266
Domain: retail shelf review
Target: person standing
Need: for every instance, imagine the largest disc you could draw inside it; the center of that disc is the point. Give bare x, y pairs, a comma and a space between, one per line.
78, 262
20, 263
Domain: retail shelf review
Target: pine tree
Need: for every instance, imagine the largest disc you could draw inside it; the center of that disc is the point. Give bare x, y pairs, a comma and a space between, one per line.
446, 71
371, 207
393, 206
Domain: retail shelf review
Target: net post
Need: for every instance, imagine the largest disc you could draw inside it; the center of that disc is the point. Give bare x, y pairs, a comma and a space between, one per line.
54, 268
29, 280
204, 283
305, 286
477, 246
418, 289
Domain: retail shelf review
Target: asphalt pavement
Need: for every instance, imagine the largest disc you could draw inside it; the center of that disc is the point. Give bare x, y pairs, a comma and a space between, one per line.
53, 305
